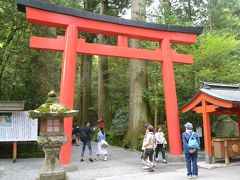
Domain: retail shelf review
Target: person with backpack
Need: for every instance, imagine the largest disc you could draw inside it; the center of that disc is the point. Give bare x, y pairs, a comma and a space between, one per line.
101, 144
190, 147
148, 144
76, 132
160, 144
85, 137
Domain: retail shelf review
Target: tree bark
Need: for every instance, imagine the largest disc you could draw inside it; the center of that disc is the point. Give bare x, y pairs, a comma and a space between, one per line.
189, 10
210, 20
86, 87
103, 78
85, 78
79, 91
138, 83
167, 10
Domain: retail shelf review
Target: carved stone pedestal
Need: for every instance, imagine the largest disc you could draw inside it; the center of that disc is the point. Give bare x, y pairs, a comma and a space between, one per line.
52, 169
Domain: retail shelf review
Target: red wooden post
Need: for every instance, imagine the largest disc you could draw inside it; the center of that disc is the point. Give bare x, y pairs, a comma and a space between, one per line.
67, 86
238, 124
207, 133
122, 41
170, 99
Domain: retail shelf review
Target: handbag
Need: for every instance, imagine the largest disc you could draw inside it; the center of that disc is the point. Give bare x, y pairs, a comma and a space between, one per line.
104, 144
164, 142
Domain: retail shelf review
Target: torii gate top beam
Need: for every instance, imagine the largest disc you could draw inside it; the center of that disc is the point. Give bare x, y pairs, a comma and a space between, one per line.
46, 14
108, 25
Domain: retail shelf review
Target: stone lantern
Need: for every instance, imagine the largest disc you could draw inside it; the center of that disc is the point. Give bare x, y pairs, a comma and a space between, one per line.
52, 136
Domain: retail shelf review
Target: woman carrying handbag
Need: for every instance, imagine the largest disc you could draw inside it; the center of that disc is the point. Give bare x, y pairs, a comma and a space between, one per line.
101, 144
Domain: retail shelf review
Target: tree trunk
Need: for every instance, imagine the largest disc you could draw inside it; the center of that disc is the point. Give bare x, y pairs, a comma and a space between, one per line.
156, 101
189, 10
86, 87
138, 84
167, 10
103, 78
79, 91
85, 78
210, 15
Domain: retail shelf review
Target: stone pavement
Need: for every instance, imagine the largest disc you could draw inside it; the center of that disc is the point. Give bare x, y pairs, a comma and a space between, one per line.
122, 164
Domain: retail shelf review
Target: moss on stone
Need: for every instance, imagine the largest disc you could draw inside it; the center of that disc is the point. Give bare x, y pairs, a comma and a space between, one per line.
52, 107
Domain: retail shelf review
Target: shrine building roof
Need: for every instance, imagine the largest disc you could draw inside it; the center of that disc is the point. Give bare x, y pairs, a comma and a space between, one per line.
227, 92
217, 94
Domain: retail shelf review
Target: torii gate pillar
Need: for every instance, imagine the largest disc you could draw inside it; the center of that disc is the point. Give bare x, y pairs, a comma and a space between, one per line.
171, 100
68, 85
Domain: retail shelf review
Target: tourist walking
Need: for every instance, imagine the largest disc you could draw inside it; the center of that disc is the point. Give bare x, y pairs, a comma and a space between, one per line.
143, 148
148, 145
76, 133
190, 146
160, 144
85, 137
101, 144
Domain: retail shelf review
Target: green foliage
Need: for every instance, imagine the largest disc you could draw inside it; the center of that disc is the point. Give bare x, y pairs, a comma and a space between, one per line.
225, 15
24, 150
216, 59
120, 122
115, 139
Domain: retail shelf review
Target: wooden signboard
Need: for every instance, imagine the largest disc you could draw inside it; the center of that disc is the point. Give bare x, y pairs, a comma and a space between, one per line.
17, 126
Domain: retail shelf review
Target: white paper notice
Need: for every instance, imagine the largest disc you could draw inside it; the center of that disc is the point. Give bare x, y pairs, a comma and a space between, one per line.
17, 126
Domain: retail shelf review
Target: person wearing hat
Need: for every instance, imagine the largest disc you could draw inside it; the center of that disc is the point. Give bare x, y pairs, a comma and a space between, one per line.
190, 147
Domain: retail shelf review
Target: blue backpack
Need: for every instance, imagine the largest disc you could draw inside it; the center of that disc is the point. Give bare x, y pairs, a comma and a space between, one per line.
193, 142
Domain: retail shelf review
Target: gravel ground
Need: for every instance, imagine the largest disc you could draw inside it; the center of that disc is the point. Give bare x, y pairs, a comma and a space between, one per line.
122, 164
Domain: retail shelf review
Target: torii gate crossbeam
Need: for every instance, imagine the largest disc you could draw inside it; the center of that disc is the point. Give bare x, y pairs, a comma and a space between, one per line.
75, 21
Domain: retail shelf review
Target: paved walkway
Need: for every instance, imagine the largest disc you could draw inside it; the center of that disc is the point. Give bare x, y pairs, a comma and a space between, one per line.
122, 164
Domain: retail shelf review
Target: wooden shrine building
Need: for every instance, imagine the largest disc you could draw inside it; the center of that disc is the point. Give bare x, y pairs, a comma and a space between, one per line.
215, 99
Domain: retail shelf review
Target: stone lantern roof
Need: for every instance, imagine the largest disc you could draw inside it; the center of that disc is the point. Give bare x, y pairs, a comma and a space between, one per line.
52, 108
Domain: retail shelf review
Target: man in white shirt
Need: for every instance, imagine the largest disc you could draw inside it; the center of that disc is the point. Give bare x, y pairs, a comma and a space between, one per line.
200, 134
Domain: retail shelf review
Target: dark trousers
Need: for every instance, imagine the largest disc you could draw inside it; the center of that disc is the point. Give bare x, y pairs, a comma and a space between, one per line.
191, 162
159, 148
148, 154
88, 144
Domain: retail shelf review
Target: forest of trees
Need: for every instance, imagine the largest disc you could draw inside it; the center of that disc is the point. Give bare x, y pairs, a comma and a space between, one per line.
126, 93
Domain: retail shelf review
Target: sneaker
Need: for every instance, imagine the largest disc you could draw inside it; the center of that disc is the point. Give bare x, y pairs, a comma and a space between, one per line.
145, 167
105, 158
189, 177
151, 170
90, 159
81, 160
164, 161
157, 160
195, 177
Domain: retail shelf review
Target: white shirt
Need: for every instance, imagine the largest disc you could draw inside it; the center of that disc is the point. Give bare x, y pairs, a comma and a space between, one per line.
159, 137
199, 131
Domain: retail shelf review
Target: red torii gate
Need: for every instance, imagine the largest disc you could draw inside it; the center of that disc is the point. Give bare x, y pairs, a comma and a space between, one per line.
75, 21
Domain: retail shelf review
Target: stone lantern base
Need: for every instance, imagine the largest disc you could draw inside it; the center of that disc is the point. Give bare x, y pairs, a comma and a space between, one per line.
52, 169
53, 176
